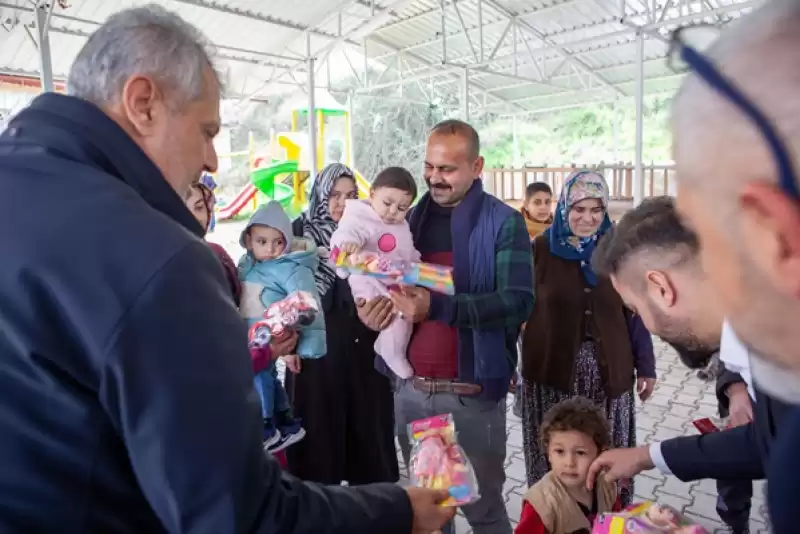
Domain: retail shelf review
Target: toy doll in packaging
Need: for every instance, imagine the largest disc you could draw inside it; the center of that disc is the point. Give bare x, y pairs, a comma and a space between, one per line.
297, 310
645, 518
437, 278
439, 462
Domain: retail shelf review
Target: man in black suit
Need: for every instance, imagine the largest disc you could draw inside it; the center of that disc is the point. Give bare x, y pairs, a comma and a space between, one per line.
652, 259
736, 144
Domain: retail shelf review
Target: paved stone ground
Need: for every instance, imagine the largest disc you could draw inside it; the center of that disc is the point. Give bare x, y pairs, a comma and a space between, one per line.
680, 397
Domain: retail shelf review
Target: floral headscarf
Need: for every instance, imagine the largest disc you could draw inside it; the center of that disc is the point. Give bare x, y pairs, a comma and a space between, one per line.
563, 242
318, 225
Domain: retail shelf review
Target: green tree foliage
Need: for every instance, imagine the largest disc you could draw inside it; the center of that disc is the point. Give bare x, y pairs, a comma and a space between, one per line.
582, 135
387, 133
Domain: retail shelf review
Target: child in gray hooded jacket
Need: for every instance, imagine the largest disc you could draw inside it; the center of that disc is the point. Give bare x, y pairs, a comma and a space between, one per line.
275, 266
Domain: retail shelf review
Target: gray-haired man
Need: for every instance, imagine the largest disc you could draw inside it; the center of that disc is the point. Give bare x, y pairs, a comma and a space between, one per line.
126, 397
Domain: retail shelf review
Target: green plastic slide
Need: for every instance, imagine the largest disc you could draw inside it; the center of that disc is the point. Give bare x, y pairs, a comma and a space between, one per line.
264, 180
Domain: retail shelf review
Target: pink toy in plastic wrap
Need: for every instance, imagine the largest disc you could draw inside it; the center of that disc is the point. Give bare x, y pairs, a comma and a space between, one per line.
296, 310
438, 462
394, 272
645, 518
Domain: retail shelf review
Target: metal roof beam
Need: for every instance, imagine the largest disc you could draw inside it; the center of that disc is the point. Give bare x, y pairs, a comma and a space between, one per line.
650, 29
630, 20
327, 50
224, 8
428, 12
581, 92
365, 27
452, 70
482, 70
465, 31
564, 107
553, 77
95, 24
561, 50
625, 65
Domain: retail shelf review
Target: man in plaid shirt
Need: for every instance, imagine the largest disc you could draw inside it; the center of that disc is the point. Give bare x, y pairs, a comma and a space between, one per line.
463, 347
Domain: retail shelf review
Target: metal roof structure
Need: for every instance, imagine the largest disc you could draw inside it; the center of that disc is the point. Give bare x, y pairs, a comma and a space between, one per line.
499, 56
502, 57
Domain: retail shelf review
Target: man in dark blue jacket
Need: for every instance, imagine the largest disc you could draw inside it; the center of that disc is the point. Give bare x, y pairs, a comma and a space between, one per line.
126, 398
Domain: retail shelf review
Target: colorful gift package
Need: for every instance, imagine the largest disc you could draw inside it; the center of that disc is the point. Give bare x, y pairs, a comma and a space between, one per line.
437, 278
296, 310
439, 462
646, 518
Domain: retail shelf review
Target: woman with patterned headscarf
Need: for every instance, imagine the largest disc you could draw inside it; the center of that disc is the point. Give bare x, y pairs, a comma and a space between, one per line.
346, 406
580, 339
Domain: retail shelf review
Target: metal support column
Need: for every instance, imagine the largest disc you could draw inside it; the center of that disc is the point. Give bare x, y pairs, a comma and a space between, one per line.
515, 142
348, 141
444, 32
614, 128
638, 174
480, 28
312, 123
42, 20
465, 95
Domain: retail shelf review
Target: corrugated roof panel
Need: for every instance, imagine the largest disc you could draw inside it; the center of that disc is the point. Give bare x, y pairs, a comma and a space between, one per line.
245, 30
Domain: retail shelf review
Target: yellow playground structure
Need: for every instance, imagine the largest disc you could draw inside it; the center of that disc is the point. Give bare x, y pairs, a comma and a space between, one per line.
281, 172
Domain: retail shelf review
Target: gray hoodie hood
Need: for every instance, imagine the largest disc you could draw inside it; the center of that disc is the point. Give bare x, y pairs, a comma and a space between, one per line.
272, 215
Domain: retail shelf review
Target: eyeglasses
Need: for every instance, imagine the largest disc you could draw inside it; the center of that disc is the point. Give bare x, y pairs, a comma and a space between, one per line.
686, 55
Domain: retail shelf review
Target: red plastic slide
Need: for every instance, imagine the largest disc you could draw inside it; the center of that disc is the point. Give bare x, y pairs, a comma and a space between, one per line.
236, 205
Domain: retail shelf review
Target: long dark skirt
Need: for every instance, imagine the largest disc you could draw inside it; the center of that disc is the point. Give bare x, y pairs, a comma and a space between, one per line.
347, 409
537, 399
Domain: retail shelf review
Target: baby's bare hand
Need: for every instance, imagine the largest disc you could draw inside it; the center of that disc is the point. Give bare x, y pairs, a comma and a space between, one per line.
351, 248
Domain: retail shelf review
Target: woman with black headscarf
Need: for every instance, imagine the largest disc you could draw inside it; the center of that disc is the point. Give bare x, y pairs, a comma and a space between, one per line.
346, 406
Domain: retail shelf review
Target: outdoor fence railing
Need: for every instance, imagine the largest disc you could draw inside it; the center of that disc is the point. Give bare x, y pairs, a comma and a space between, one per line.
509, 184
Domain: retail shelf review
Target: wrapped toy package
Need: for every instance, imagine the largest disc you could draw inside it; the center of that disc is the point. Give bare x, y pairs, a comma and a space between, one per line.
645, 518
296, 310
439, 462
394, 272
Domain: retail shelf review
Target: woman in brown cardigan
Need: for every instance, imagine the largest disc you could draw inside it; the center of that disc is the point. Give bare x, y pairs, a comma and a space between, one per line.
580, 339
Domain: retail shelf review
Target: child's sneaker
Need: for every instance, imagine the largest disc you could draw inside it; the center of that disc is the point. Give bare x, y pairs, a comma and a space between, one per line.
291, 431
272, 436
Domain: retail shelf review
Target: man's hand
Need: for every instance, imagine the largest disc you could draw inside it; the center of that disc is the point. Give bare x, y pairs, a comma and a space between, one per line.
645, 387
412, 303
292, 362
740, 406
376, 314
283, 345
620, 464
429, 515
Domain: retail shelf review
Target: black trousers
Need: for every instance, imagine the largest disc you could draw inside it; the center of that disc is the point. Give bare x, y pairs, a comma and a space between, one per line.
733, 502
347, 409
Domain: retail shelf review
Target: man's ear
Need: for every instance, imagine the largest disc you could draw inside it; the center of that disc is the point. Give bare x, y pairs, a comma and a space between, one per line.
141, 104
770, 222
661, 288
478, 168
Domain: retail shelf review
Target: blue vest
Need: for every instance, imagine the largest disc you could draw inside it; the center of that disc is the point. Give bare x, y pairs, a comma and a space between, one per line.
486, 357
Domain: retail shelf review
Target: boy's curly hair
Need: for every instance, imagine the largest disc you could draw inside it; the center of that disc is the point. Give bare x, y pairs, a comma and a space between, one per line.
578, 414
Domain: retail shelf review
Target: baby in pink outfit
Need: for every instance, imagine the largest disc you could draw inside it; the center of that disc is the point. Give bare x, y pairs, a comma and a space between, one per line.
379, 225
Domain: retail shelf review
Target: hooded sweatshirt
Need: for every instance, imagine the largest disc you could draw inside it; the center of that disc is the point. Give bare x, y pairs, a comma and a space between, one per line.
265, 282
